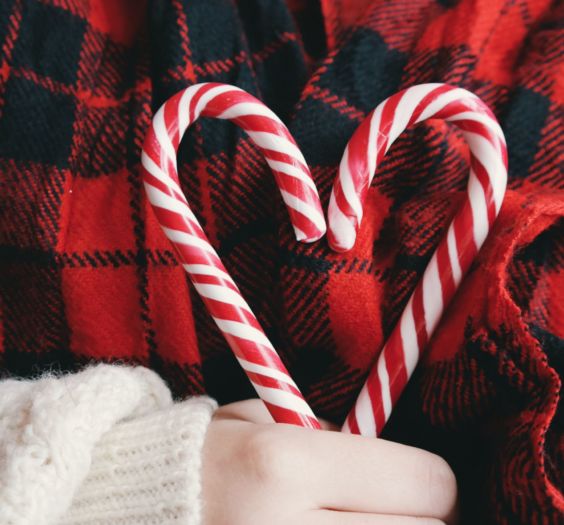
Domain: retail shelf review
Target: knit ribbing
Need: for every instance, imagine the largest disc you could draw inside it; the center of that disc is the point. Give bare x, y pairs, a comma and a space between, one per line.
146, 471
105, 446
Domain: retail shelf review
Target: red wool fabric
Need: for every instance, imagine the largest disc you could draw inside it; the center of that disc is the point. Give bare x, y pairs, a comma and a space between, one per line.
86, 274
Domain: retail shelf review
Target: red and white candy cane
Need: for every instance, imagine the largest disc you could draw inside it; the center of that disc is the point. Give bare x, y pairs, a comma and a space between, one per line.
465, 235
210, 278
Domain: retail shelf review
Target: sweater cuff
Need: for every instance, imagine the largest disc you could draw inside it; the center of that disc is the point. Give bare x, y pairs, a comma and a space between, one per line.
147, 470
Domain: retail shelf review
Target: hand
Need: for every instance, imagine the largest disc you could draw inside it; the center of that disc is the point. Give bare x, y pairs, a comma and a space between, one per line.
256, 472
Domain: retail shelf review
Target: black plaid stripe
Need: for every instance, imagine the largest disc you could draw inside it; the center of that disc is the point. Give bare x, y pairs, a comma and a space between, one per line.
29, 215
365, 70
36, 123
38, 47
111, 68
546, 169
34, 327
532, 262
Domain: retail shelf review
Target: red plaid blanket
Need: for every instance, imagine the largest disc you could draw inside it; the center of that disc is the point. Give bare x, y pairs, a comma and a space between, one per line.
86, 273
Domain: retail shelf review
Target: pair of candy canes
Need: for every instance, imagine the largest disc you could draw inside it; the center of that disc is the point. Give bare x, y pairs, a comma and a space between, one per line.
364, 152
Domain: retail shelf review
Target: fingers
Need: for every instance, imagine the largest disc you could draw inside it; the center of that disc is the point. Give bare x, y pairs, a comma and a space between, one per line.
348, 473
328, 517
357, 474
251, 410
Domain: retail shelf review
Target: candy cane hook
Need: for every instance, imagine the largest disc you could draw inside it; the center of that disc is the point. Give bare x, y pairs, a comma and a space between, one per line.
229, 310
456, 251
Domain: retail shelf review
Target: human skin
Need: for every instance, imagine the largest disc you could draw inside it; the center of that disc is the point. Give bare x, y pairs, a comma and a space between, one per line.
256, 472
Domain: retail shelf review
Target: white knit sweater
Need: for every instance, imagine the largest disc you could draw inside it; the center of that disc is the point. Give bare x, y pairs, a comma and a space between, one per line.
106, 446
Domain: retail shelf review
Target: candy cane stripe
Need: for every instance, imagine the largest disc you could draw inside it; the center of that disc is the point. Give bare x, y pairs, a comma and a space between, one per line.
483, 119
341, 226
479, 208
453, 257
348, 187
269, 382
166, 201
243, 331
373, 137
366, 424
290, 416
204, 269
267, 140
265, 371
384, 380
292, 171
303, 208
159, 174
407, 105
409, 339
445, 98
187, 239
183, 109
488, 156
245, 109
283, 399
208, 97
432, 295
219, 292
161, 133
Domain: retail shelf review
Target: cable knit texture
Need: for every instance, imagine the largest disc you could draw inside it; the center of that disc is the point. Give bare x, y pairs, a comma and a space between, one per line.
104, 446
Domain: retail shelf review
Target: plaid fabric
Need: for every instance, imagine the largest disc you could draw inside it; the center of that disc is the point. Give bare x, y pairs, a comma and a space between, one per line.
86, 273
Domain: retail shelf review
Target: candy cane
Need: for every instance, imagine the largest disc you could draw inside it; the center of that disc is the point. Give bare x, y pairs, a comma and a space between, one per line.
456, 251
210, 278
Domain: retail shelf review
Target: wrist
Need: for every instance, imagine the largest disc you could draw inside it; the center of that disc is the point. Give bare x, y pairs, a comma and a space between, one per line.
147, 470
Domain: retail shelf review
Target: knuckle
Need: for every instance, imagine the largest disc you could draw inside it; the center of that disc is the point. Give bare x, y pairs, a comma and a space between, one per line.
267, 455
441, 483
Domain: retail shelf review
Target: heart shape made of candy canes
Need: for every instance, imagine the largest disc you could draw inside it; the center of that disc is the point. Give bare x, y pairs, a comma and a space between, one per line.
370, 142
